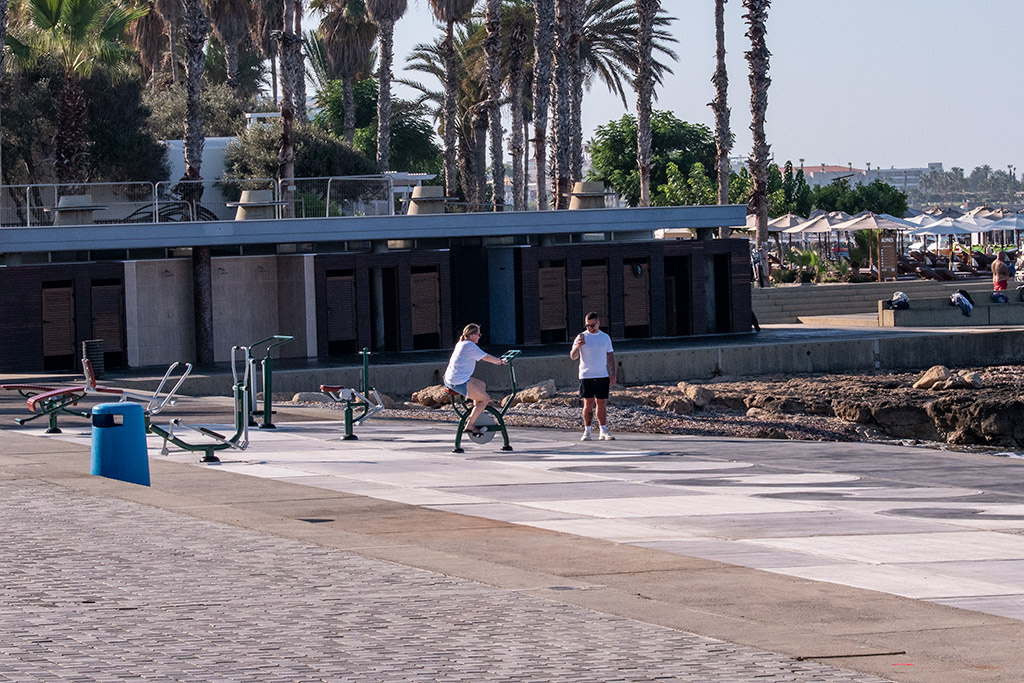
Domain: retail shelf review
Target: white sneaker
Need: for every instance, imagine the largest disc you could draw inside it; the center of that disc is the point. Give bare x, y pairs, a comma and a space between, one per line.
585, 437
605, 436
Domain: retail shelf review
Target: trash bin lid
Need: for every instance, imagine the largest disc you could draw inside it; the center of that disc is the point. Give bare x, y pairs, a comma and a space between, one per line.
117, 409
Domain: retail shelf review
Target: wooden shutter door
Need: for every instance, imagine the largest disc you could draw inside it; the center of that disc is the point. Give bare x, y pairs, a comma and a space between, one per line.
107, 320
341, 308
595, 290
426, 303
635, 292
58, 321
551, 292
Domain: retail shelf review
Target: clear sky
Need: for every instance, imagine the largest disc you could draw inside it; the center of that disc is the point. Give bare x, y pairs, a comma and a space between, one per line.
887, 82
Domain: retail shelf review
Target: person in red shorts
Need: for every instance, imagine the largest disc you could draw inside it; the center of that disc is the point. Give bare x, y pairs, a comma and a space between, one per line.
1000, 273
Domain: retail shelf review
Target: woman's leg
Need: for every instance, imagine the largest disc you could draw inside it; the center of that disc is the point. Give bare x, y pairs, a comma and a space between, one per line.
477, 391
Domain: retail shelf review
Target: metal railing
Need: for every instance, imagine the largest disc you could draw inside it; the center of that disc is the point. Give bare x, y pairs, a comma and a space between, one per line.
195, 200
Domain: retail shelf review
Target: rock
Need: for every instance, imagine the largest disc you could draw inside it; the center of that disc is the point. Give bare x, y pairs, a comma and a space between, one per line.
409, 405
953, 382
778, 404
973, 378
730, 401
851, 411
537, 392
759, 413
932, 376
681, 405
386, 401
311, 397
436, 395
905, 421
698, 395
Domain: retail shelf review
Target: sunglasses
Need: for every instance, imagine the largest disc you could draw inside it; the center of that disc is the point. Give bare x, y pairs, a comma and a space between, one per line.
593, 324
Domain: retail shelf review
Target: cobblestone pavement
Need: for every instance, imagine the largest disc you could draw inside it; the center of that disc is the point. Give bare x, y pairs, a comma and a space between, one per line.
95, 588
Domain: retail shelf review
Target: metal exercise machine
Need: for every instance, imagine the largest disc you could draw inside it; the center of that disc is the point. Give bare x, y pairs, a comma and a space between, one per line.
240, 439
492, 420
268, 380
357, 406
51, 401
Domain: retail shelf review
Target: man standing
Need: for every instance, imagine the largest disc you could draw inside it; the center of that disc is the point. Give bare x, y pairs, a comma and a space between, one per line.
593, 349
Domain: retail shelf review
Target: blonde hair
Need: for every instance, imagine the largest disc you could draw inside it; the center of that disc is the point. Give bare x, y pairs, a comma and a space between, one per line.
469, 329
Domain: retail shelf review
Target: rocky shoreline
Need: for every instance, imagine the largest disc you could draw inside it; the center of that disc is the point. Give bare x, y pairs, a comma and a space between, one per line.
978, 409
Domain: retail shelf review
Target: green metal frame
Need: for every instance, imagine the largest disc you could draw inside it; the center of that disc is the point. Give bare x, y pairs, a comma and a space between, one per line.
463, 410
52, 408
268, 380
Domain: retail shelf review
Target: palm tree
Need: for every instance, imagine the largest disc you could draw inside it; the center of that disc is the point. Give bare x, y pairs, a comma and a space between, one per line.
543, 45
577, 10
385, 13
348, 35
299, 86
448, 12
3, 35
757, 57
518, 15
561, 106
171, 11
196, 28
289, 44
267, 16
148, 39
492, 50
231, 20
720, 105
79, 36
646, 10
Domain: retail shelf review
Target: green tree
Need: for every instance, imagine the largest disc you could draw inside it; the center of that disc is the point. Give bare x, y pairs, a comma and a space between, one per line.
317, 154
614, 153
681, 190
79, 36
877, 196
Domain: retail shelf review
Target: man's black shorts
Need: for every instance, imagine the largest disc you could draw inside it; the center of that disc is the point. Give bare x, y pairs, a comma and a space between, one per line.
595, 387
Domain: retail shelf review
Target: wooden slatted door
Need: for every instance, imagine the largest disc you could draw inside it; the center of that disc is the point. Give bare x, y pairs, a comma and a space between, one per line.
107, 317
341, 308
595, 290
58, 321
426, 302
552, 295
636, 294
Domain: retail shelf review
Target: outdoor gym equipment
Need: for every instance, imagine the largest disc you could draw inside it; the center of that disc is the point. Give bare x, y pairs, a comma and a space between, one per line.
268, 380
492, 420
50, 401
356, 401
240, 439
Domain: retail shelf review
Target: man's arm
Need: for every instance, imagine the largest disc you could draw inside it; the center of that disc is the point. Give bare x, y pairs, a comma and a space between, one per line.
611, 368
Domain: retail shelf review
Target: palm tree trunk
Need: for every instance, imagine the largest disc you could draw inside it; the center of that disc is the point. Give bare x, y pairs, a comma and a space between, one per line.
348, 100
273, 77
720, 105
543, 40
562, 107
480, 128
173, 36
517, 77
288, 49
450, 110
526, 162
760, 156
299, 87
576, 11
3, 34
387, 57
197, 28
72, 143
231, 64
492, 51
645, 9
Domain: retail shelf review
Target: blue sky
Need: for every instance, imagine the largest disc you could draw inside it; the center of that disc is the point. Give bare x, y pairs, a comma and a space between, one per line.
890, 82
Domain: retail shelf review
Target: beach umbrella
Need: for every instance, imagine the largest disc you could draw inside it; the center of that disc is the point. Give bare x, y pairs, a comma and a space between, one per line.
875, 221
945, 226
921, 219
783, 223
1014, 222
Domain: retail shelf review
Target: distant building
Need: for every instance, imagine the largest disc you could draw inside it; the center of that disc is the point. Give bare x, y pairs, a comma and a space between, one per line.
904, 179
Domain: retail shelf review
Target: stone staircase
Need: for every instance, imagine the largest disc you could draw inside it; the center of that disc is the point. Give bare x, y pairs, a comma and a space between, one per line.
786, 304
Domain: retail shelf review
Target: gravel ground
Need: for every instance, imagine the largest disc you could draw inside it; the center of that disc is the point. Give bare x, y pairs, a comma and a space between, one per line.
805, 416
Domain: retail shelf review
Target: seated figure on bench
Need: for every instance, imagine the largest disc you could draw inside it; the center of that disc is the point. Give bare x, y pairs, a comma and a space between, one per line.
459, 375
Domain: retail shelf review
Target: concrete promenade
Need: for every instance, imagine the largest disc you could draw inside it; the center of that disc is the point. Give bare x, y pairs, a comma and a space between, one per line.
390, 558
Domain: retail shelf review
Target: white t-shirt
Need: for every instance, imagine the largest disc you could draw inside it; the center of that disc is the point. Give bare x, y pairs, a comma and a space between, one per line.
463, 362
594, 354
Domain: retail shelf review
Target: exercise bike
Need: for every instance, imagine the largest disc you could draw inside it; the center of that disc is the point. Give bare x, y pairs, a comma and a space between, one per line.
492, 420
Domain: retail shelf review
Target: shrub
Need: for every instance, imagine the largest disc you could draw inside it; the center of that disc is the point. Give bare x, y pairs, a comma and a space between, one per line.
317, 154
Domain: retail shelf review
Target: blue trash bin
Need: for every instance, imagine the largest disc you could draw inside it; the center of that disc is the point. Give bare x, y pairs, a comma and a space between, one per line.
119, 442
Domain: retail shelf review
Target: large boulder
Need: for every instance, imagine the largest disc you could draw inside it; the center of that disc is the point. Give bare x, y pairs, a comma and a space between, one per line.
431, 397
681, 405
932, 376
700, 396
535, 393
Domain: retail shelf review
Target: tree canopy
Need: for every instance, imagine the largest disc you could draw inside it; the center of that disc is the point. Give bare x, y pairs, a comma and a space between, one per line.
613, 152
876, 196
